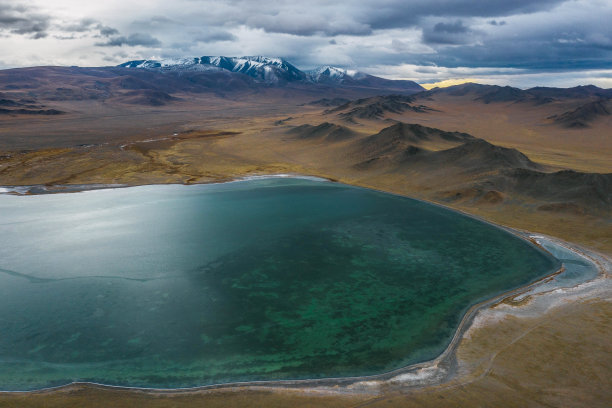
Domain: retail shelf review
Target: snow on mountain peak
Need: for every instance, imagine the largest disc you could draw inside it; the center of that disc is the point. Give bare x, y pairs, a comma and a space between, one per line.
261, 68
328, 73
270, 70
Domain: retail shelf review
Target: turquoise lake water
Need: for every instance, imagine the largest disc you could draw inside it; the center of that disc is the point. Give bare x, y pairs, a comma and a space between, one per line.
178, 286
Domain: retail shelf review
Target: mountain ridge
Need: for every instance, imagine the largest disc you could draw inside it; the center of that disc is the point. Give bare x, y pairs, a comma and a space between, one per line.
273, 70
537, 95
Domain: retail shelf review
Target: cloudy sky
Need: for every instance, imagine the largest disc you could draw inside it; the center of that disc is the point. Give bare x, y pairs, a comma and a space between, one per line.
518, 42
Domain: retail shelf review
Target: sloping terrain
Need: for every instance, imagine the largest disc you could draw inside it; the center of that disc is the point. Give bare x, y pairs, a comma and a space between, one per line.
582, 116
586, 190
327, 102
577, 92
478, 155
113, 84
536, 96
335, 76
148, 83
260, 68
486, 93
400, 142
23, 106
375, 108
478, 171
23, 111
276, 71
323, 132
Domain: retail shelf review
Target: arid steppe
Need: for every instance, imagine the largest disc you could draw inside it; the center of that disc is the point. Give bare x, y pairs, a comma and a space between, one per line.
505, 157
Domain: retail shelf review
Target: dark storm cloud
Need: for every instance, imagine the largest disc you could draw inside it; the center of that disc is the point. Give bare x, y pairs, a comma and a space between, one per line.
154, 23
24, 20
107, 31
19, 19
136, 39
89, 25
447, 33
320, 17
303, 25
198, 32
536, 54
400, 13
214, 36
576, 37
81, 26
527, 34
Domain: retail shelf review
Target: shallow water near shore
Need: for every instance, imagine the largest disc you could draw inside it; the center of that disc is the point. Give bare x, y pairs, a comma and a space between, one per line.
180, 286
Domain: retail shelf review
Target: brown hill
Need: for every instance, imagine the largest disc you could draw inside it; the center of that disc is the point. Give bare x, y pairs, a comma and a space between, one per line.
475, 158
329, 102
481, 173
21, 111
497, 94
478, 155
487, 174
485, 93
577, 92
417, 133
377, 107
566, 188
395, 101
323, 132
148, 97
580, 117
401, 143
116, 84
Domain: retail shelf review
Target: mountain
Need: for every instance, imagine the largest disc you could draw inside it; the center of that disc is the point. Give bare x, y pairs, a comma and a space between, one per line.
478, 172
478, 155
577, 92
329, 102
402, 134
538, 96
162, 82
587, 190
329, 74
116, 84
407, 146
276, 71
22, 111
580, 117
23, 107
401, 142
488, 93
264, 69
325, 131
376, 107
351, 78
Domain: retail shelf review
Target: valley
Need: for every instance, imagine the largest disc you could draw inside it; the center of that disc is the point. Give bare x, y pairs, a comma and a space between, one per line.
536, 160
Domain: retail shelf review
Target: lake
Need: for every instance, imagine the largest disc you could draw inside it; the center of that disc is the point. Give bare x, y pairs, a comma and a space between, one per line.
280, 278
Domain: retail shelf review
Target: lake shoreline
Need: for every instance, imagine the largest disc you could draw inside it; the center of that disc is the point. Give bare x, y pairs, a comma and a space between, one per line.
437, 371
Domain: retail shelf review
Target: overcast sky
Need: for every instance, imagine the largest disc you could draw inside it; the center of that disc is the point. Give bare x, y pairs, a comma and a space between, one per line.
518, 42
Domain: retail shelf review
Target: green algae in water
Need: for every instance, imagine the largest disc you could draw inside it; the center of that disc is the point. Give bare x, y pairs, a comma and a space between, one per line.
178, 286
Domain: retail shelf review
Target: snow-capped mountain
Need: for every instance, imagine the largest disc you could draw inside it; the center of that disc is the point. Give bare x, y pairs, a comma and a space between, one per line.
274, 71
327, 73
264, 69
